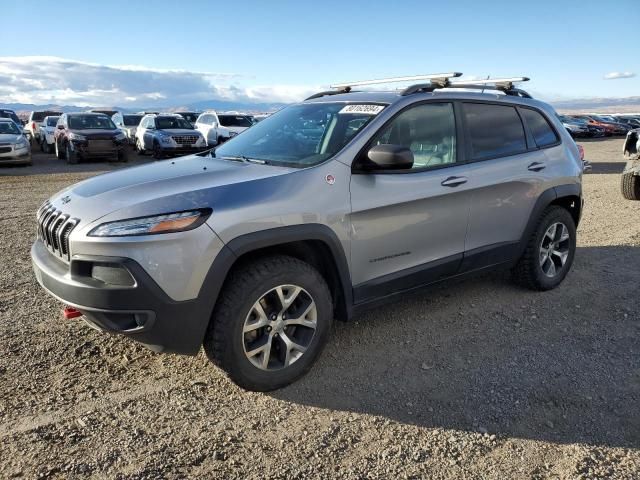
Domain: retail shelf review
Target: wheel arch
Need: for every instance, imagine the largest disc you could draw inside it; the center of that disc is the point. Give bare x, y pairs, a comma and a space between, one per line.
315, 244
568, 196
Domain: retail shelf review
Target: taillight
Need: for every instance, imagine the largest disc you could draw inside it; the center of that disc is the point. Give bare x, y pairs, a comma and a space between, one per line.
33, 125
581, 150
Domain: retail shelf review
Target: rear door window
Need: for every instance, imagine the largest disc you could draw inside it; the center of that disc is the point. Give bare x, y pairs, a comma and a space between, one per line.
493, 130
542, 132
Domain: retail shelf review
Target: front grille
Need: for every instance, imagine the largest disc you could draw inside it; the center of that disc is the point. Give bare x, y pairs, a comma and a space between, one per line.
5, 149
54, 228
185, 139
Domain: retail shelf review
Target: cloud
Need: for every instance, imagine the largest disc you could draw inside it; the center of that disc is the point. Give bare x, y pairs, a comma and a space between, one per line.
617, 75
43, 80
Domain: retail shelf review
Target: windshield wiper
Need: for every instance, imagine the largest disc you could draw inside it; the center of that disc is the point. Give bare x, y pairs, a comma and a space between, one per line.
242, 158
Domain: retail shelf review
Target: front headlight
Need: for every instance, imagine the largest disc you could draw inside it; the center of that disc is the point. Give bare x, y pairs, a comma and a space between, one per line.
166, 139
166, 223
121, 136
76, 137
200, 141
22, 143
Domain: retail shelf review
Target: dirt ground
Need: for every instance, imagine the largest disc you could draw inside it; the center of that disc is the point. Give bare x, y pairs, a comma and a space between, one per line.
473, 379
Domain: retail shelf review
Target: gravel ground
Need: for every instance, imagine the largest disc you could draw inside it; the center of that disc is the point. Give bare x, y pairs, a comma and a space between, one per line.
475, 378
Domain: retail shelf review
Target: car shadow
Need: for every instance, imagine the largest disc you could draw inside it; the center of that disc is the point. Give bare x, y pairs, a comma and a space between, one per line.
484, 355
607, 167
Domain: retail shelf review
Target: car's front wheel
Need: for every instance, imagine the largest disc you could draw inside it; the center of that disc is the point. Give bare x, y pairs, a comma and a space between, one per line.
549, 253
270, 323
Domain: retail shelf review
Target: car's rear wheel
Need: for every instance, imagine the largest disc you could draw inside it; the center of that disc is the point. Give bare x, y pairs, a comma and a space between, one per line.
630, 186
72, 157
549, 253
270, 324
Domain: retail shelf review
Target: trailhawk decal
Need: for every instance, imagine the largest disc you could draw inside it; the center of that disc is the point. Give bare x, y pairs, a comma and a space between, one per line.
368, 109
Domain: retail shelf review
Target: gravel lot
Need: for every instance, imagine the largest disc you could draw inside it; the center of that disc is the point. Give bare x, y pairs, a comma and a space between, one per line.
472, 379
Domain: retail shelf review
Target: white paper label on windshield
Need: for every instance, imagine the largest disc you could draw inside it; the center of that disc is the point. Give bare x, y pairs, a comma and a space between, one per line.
366, 109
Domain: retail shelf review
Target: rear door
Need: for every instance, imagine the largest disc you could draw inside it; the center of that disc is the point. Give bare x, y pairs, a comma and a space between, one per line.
509, 173
408, 227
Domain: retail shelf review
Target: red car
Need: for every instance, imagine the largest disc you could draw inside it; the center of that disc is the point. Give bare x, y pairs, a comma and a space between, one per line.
609, 127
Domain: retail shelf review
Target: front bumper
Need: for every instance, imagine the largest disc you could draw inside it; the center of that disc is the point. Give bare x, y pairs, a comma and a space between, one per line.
137, 308
181, 149
97, 148
15, 156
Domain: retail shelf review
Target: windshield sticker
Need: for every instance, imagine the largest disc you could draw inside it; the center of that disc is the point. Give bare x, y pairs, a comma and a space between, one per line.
367, 109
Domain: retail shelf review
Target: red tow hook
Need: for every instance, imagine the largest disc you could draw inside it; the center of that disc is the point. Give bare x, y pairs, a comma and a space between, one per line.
70, 312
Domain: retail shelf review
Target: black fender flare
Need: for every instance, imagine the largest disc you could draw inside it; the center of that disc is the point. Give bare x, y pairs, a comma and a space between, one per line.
272, 237
544, 200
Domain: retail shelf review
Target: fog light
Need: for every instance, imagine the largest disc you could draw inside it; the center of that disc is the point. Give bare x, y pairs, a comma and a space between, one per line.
112, 274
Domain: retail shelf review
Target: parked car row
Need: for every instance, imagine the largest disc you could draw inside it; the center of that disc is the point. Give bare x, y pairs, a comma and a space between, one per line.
593, 125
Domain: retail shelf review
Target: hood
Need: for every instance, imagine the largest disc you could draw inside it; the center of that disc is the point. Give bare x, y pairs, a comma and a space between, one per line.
10, 138
159, 187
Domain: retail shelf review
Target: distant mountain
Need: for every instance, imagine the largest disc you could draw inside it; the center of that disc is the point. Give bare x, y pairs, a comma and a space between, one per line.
222, 105
601, 105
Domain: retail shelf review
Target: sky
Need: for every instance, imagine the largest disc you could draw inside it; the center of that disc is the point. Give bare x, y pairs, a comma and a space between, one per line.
168, 52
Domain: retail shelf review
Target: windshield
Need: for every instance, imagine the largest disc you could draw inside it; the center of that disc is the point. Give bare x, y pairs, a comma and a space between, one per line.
52, 121
301, 135
234, 121
11, 115
163, 123
190, 117
9, 127
131, 120
86, 122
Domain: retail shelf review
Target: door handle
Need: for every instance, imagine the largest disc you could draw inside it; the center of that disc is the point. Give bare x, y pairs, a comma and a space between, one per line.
453, 181
536, 166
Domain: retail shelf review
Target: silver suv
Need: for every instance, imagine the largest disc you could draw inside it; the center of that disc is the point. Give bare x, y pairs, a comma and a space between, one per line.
327, 208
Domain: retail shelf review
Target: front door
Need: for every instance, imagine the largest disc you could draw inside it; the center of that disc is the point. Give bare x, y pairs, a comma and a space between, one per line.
409, 227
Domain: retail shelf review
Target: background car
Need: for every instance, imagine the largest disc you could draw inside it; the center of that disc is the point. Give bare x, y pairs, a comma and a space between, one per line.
576, 129
168, 135
88, 135
14, 146
190, 117
235, 123
630, 121
47, 131
35, 122
128, 123
6, 113
209, 125
608, 121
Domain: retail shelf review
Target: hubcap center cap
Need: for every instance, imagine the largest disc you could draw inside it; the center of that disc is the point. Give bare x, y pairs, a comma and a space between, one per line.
278, 326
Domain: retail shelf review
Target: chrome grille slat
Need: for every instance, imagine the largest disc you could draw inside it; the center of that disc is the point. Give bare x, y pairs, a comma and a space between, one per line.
185, 139
54, 229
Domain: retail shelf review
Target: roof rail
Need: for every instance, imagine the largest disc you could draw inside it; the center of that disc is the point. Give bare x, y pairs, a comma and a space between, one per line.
504, 85
434, 78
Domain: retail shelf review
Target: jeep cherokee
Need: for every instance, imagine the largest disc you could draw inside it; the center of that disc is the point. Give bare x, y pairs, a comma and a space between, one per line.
328, 207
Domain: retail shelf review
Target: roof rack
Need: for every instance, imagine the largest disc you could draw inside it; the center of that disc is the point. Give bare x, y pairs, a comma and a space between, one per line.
434, 79
504, 85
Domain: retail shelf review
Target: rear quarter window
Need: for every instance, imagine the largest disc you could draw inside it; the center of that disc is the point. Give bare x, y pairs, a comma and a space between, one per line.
543, 134
493, 130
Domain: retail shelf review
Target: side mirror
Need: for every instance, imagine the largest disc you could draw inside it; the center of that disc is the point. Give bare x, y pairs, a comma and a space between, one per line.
60, 127
391, 157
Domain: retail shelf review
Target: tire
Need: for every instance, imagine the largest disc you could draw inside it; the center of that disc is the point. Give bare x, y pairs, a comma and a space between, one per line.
157, 151
630, 186
139, 148
534, 273
122, 156
225, 343
71, 156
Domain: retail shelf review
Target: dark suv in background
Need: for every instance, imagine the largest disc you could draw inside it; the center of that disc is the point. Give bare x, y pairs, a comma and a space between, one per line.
88, 135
